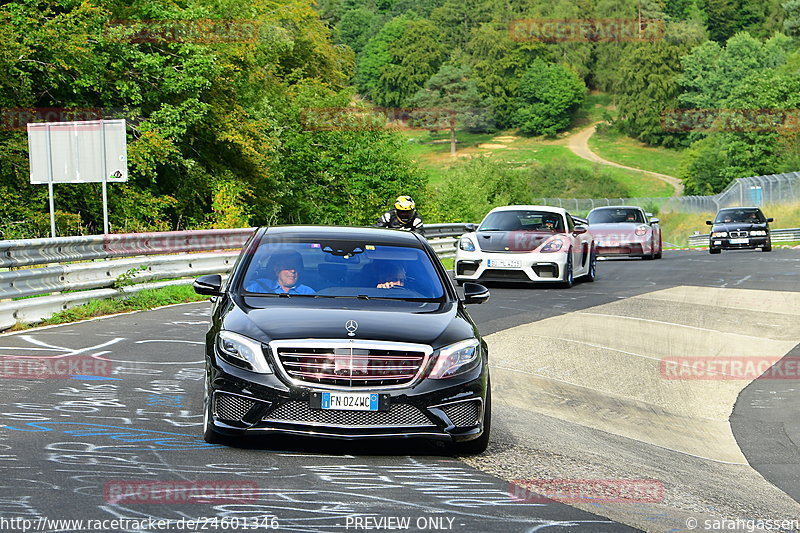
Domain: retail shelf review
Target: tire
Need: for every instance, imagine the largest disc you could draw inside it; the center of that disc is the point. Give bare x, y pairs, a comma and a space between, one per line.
592, 274
479, 445
568, 280
714, 251
767, 247
209, 435
660, 249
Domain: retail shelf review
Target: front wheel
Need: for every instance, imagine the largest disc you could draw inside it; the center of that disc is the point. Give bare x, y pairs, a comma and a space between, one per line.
209, 435
767, 247
660, 249
591, 275
479, 445
568, 280
714, 250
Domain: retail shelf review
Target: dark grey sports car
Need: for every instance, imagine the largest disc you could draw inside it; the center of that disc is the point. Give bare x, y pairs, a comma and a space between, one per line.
344, 333
737, 228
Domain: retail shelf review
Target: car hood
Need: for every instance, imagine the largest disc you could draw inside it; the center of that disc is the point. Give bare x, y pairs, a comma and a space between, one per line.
435, 324
511, 241
738, 226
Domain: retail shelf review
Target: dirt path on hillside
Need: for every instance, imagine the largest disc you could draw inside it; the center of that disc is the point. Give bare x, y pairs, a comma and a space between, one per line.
579, 144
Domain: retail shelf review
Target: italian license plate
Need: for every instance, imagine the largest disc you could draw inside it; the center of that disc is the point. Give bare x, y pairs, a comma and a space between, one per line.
739, 241
346, 401
504, 263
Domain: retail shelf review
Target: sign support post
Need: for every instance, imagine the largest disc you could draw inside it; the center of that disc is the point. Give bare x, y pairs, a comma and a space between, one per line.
105, 176
50, 183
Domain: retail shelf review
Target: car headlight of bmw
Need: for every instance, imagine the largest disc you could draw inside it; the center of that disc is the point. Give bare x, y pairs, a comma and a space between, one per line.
456, 359
758, 233
553, 246
242, 351
718, 234
466, 244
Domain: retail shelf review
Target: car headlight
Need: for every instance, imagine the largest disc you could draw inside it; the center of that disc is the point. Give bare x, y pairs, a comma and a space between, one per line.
466, 244
641, 230
553, 246
758, 233
718, 234
241, 348
456, 359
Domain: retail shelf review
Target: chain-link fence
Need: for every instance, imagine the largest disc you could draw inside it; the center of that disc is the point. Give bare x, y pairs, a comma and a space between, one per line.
756, 190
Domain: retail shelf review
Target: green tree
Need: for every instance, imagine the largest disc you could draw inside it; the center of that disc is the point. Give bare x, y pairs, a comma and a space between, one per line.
649, 87
497, 63
452, 90
549, 94
357, 26
396, 63
791, 23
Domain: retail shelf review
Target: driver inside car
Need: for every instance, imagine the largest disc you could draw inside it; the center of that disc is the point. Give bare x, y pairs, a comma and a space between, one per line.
393, 275
287, 267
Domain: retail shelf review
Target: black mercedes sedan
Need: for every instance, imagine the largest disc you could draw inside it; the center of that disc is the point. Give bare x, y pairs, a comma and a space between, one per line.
737, 228
344, 333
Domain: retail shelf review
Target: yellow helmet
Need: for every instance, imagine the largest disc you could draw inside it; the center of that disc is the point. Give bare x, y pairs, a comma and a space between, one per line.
404, 203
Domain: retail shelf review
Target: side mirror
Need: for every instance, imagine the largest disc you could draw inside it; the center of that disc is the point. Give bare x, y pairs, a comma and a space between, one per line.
770, 219
709, 223
210, 285
475, 293
469, 228
654, 221
579, 230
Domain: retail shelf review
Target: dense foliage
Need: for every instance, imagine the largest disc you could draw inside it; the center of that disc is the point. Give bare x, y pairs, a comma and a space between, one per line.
222, 127
217, 135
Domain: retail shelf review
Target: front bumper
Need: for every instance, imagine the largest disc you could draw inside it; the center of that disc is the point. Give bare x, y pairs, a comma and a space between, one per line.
726, 244
628, 248
532, 266
247, 403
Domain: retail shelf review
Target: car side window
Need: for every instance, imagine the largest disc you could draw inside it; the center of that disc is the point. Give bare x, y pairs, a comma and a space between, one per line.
570, 224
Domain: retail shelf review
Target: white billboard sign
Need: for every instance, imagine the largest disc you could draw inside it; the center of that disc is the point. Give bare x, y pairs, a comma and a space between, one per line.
78, 152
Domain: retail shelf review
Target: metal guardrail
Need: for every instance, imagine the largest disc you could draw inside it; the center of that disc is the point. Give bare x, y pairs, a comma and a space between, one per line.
776, 235
754, 190
184, 254
26, 252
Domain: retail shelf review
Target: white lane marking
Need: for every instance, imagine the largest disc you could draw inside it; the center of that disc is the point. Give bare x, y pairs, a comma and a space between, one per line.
743, 280
68, 351
666, 323
169, 340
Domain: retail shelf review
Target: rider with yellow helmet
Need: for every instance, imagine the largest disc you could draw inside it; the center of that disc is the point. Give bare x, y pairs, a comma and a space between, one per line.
403, 216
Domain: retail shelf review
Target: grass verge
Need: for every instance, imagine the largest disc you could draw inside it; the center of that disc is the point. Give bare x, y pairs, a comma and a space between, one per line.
632, 153
677, 227
140, 301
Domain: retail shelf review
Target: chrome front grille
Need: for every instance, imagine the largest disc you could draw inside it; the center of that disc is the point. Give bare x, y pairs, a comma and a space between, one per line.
463, 414
737, 234
301, 413
231, 407
351, 363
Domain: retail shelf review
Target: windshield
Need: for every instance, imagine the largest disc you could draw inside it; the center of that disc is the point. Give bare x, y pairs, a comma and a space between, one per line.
523, 220
740, 215
314, 268
615, 216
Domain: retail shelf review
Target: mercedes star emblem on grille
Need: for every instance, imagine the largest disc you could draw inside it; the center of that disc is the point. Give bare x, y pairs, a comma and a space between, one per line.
351, 326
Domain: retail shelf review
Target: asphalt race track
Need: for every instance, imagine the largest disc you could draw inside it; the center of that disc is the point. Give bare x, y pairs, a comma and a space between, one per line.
88, 447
